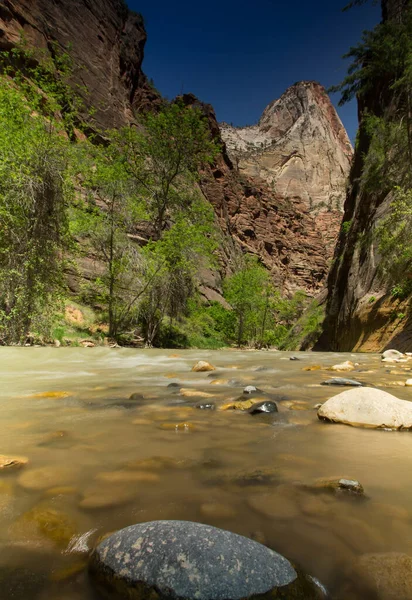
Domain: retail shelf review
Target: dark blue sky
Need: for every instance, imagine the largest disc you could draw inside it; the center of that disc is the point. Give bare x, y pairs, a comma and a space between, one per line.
240, 55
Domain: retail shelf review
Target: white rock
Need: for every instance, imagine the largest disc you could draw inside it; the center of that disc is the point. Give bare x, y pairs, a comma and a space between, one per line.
249, 389
408, 382
393, 354
368, 407
345, 366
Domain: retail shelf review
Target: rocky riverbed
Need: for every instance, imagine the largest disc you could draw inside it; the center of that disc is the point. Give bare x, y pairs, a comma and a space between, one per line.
95, 440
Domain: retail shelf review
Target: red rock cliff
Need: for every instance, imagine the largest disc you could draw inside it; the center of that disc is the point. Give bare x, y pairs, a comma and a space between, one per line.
107, 44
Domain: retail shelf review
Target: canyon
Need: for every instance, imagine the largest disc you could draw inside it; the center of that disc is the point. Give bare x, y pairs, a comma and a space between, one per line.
282, 202
278, 187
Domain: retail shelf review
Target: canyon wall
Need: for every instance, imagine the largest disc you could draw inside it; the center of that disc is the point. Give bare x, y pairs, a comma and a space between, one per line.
281, 200
106, 41
361, 313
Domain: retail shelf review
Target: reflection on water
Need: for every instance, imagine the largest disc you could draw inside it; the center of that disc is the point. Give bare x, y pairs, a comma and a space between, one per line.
101, 459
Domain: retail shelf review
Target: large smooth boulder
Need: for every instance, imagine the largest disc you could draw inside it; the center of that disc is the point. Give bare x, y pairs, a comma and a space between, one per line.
368, 407
393, 355
181, 560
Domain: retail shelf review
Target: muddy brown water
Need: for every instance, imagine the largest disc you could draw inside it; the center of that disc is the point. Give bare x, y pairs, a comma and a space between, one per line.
98, 463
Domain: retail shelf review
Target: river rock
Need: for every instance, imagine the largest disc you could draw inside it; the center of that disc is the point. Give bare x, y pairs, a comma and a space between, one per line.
367, 407
250, 389
341, 381
265, 407
345, 366
12, 462
186, 561
294, 358
206, 406
393, 354
202, 366
238, 405
46, 477
136, 397
342, 485
408, 382
381, 576
43, 524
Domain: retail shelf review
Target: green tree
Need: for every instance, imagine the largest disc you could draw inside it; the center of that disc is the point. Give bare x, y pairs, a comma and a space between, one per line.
163, 155
35, 189
104, 216
172, 265
248, 291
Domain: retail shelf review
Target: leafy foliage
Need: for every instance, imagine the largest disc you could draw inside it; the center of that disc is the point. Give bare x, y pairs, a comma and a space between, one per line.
35, 188
163, 157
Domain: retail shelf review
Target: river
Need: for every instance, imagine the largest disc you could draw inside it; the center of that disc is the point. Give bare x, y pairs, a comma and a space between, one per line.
98, 462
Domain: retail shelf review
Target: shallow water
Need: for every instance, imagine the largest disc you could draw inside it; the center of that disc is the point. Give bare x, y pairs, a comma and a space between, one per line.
87, 474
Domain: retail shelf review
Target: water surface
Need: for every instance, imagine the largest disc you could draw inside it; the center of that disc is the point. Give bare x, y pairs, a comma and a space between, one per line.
98, 462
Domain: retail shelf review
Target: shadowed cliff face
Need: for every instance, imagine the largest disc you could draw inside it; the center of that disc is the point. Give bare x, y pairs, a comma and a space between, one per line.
107, 44
301, 150
360, 313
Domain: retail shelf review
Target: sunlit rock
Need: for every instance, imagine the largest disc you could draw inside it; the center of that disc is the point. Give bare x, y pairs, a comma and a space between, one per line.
368, 407
202, 366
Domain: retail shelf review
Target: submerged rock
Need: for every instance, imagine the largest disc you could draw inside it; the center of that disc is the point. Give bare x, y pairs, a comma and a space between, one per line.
46, 477
342, 485
202, 366
342, 382
12, 462
186, 561
263, 407
367, 407
381, 576
206, 406
42, 525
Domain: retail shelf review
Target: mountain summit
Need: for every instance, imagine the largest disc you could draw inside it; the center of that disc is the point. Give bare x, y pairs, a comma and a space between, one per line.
300, 148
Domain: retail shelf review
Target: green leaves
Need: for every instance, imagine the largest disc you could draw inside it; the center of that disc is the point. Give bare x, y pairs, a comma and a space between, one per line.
164, 156
34, 192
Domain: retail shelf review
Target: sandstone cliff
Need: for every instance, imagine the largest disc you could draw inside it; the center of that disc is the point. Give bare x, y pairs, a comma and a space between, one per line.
360, 313
292, 226
301, 150
107, 44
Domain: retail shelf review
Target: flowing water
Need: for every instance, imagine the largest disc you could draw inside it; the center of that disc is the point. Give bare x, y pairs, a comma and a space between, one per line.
99, 462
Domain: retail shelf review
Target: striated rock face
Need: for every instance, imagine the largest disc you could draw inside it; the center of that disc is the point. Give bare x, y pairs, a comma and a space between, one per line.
107, 43
280, 201
281, 232
301, 150
284, 235
361, 314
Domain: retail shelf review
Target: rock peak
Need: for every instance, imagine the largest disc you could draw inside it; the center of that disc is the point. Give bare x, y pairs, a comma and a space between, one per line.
299, 147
